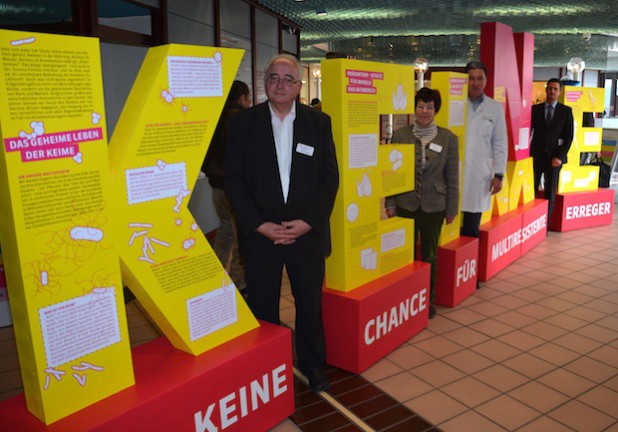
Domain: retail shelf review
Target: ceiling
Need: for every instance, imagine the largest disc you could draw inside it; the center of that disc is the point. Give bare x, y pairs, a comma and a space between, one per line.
446, 32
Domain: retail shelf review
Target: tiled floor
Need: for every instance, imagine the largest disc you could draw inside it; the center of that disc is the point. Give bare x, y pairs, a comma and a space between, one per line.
536, 349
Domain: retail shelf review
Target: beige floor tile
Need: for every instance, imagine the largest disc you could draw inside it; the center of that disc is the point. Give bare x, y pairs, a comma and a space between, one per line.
404, 386
574, 297
515, 319
577, 343
464, 316
438, 346
592, 369
488, 308
585, 313
522, 340
556, 304
612, 428
565, 283
602, 399
470, 391
538, 396
544, 330
501, 378
581, 417
544, 424
436, 406
286, 425
530, 295
612, 383
437, 373
602, 305
607, 355
382, 369
496, 350
470, 421
409, 356
510, 301
468, 361
611, 322
491, 327
466, 337
555, 354
508, 412
598, 333
536, 311
529, 365
566, 322
603, 283
442, 324
566, 382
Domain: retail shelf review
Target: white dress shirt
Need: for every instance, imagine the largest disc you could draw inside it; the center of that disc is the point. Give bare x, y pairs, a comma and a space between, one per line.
283, 132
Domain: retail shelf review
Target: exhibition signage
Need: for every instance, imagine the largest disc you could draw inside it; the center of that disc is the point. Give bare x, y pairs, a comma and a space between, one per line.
500, 244
156, 154
458, 274
57, 224
364, 325
578, 210
354, 94
573, 177
244, 385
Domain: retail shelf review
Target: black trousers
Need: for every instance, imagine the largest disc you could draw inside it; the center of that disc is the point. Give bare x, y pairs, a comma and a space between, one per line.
428, 225
306, 279
542, 165
471, 224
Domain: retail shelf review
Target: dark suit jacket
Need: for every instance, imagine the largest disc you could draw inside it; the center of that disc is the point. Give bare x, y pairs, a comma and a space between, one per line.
545, 139
254, 187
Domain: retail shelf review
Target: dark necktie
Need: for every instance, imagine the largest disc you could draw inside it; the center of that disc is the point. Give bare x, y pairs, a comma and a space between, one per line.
550, 113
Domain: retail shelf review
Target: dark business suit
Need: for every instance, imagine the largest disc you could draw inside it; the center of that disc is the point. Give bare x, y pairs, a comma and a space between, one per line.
254, 186
550, 141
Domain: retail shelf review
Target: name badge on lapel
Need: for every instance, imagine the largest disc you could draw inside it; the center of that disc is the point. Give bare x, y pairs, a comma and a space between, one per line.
305, 149
435, 147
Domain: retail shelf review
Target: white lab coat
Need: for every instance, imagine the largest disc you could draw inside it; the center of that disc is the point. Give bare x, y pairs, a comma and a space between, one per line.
485, 154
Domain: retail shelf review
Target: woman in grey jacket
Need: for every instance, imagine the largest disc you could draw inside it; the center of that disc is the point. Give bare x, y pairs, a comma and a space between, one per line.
436, 194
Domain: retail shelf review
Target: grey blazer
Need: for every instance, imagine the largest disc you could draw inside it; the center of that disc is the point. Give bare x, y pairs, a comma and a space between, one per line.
437, 186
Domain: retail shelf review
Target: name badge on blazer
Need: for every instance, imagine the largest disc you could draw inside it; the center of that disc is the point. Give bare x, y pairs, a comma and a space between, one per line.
305, 149
435, 147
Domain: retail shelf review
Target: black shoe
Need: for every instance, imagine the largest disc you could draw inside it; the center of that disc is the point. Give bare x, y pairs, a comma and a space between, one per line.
432, 312
478, 285
318, 381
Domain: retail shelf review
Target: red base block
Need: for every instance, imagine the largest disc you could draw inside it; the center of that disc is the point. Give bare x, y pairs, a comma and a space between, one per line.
365, 324
533, 224
457, 271
499, 244
245, 384
578, 210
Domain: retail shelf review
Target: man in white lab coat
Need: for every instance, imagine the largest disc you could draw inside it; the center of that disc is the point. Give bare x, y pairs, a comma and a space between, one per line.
485, 150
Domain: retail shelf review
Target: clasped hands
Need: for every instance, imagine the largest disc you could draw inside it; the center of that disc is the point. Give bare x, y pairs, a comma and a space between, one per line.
284, 233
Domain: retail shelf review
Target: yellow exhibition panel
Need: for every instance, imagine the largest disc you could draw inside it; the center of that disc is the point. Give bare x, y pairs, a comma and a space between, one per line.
355, 93
156, 154
573, 177
57, 224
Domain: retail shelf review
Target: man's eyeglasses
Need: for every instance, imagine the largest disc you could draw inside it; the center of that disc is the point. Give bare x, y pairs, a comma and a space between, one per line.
288, 81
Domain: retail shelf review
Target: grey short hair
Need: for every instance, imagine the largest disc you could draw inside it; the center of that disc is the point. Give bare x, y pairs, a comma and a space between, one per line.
285, 57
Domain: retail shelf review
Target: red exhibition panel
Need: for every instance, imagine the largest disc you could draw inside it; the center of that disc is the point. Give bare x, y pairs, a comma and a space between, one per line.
499, 244
365, 324
533, 224
458, 268
245, 384
578, 210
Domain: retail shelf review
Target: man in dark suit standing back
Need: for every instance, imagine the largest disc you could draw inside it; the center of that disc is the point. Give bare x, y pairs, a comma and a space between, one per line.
281, 175
552, 134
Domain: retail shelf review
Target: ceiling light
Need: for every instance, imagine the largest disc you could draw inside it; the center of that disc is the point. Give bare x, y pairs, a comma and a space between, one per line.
321, 11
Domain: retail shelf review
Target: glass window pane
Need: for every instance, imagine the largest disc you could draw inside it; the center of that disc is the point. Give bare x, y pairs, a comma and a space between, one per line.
289, 36
264, 54
235, 18
126, 16
244, 73
266, 29
16, 12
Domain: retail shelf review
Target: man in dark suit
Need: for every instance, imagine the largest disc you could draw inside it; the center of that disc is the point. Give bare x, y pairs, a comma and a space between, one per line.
552, 134
281, 175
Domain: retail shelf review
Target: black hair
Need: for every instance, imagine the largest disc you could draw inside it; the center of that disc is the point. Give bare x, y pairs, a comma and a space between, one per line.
556, 80
476, 65
428, 95
237, 90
